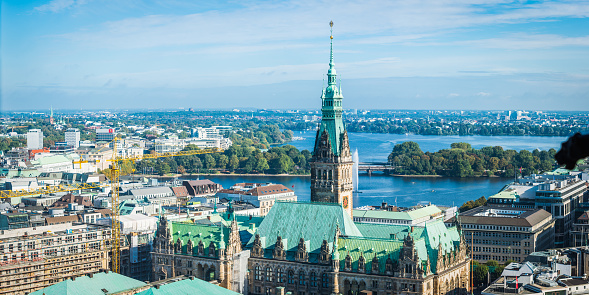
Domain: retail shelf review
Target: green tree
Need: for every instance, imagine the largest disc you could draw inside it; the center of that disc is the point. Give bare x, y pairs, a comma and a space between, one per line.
407, 148
222, 161
480, 274
209, 162
262, 165
233, 163
461, 145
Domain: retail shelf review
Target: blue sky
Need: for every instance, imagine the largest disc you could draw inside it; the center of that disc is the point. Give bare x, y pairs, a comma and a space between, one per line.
417, 54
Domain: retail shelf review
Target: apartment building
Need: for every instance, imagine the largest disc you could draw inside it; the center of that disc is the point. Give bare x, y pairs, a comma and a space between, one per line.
34, 258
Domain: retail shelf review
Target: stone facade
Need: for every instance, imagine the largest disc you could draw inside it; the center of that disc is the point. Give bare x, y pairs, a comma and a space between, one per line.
208, 252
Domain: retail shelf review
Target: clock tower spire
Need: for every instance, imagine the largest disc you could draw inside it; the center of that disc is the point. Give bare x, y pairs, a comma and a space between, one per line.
331, 164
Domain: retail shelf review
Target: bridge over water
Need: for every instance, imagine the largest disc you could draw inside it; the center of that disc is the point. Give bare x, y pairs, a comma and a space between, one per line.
380, 167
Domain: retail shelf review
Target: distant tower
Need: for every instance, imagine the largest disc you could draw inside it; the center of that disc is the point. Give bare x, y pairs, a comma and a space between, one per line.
331, 164
51, 117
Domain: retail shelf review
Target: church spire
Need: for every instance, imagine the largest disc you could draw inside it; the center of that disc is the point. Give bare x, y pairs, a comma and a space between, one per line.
331, 73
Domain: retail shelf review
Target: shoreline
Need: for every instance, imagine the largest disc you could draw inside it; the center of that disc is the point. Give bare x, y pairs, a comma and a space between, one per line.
299, 175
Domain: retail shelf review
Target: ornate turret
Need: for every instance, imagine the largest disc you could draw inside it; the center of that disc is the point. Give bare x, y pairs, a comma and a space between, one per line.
331, 164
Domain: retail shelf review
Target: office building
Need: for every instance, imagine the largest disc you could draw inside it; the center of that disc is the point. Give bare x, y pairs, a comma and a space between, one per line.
105, 134
558, 194
506, 233
35, 139
72, 137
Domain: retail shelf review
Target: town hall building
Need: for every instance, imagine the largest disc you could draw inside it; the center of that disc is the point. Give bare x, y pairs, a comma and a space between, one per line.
312, 248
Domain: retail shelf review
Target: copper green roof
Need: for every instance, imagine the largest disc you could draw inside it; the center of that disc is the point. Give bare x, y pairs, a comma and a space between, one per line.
314, 222
188, 286
196, 233
385, 240
109, 282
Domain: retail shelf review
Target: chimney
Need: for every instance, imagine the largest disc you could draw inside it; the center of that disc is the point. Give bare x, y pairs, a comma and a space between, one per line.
90, 275
73, 278
280, 291
412, 228
157, 286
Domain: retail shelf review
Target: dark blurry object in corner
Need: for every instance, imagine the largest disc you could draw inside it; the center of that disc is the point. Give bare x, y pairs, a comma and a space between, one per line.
572, 150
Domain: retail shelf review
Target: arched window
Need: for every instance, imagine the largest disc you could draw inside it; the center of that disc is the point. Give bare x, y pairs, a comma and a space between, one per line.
280, 275
324, 280
313, 279
302, 281
291, 276
268, 274
257, 273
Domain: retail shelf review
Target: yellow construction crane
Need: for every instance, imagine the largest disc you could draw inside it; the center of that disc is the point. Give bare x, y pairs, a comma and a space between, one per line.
49, 190
113, 175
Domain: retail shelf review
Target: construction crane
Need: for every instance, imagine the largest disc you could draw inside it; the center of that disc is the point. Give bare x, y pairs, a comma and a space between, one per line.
49, 190
113, 175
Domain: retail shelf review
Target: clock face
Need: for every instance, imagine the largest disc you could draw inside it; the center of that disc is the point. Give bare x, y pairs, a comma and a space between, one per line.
345, 202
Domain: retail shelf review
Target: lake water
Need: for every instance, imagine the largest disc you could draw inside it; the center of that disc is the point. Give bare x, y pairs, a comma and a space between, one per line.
376, 147
405, 191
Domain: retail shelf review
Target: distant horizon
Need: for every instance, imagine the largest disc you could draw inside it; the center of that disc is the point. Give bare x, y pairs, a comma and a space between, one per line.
491, 55
246, 110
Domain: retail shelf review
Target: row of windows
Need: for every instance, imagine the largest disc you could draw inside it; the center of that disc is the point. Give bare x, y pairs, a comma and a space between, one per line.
269, 275
497, 227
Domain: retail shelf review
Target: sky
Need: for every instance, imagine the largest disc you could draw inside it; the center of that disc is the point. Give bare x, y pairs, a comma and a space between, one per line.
414, 54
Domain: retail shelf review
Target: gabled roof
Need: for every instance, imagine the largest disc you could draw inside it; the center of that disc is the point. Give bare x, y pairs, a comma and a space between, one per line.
313, 222
180, 191
269, 190
99, 284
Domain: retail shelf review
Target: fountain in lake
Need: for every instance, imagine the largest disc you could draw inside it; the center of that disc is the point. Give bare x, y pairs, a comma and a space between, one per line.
355, 170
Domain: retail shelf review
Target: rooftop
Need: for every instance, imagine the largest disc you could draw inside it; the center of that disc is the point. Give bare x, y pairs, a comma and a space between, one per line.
98, 284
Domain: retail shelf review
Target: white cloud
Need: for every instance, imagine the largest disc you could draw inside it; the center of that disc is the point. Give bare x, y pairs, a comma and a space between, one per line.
483, 94
453, 95
55, 5
528, 41
377, 22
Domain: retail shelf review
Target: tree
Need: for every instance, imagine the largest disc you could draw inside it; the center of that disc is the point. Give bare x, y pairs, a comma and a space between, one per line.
461, 145
480, 274
282, 164
233, 163
492, 263
262, 165
222, 161
407, 148
209, 162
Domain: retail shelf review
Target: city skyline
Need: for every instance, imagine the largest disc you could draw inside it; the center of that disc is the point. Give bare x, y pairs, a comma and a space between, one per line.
390, 55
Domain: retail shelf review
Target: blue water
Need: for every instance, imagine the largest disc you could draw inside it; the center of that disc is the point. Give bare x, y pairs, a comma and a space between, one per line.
405, 191
375, 147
